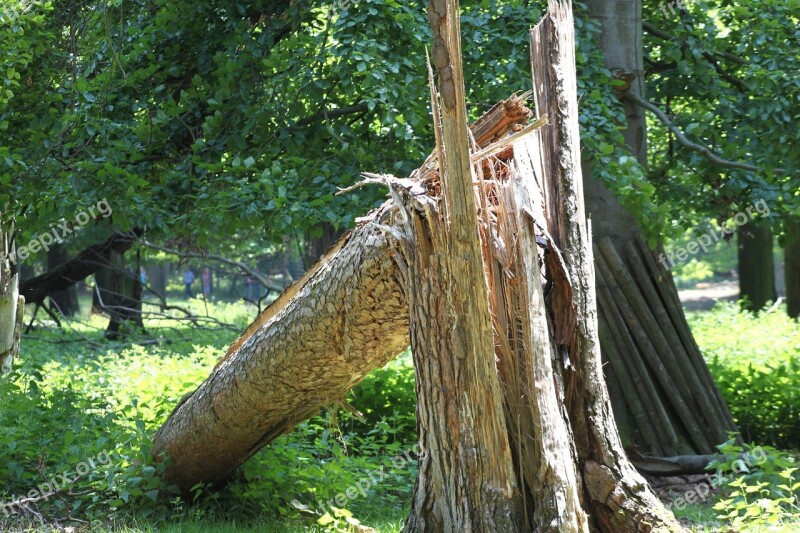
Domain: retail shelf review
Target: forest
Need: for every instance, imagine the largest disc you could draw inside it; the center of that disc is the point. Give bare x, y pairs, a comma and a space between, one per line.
385, 265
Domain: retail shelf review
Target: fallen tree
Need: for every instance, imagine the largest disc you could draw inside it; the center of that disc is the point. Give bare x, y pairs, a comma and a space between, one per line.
484, 255
342, 319
83, 265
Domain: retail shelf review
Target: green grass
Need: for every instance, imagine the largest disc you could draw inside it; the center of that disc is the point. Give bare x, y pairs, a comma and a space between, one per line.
75, 395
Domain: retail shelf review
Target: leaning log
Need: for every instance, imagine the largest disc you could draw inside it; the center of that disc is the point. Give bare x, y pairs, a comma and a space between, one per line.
344, 318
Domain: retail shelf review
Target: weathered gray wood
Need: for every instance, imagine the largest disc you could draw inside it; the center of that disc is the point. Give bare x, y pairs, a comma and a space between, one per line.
619, 498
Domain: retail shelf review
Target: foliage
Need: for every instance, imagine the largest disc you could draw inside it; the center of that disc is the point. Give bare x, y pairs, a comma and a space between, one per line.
183, 113
387, 399
86, 396
755, 362
726, 76
765, 492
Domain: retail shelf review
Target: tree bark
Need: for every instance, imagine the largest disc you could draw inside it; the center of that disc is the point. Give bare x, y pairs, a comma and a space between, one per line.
516, 429
118, 292
12, 305
63, 301
667, 392
756, 266
791, 267
466, 474
344, 318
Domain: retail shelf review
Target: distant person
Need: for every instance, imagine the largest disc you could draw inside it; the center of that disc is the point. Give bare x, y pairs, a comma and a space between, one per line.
188, 279
208, 281
142, 276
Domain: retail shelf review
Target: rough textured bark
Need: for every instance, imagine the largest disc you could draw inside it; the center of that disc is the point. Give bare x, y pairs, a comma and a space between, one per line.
665, 389
791, 267
344, 318
466, 475
756, 265
64, 301
12, 305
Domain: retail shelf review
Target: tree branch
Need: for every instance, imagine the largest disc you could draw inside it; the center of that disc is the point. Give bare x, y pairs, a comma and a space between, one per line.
331, 113
684, 141
661, 34
238, 264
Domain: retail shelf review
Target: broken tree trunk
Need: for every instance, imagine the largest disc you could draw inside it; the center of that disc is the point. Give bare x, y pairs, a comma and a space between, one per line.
466, 473
517, 435
615, 496
345, 317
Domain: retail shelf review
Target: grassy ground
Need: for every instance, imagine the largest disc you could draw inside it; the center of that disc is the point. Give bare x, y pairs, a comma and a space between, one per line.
75, 396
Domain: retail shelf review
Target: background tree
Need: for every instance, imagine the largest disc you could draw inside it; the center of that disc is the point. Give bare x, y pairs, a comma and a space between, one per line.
722, 77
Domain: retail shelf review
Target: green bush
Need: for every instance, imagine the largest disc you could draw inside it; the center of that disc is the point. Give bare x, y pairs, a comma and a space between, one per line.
74, 395
760, 485
388, 400
755, 361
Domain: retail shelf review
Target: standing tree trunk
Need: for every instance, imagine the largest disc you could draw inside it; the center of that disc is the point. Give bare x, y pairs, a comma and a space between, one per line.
756, 266
118, 292
12, 305
63, 301
158, 276
791, 267
466, 472
664, 389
